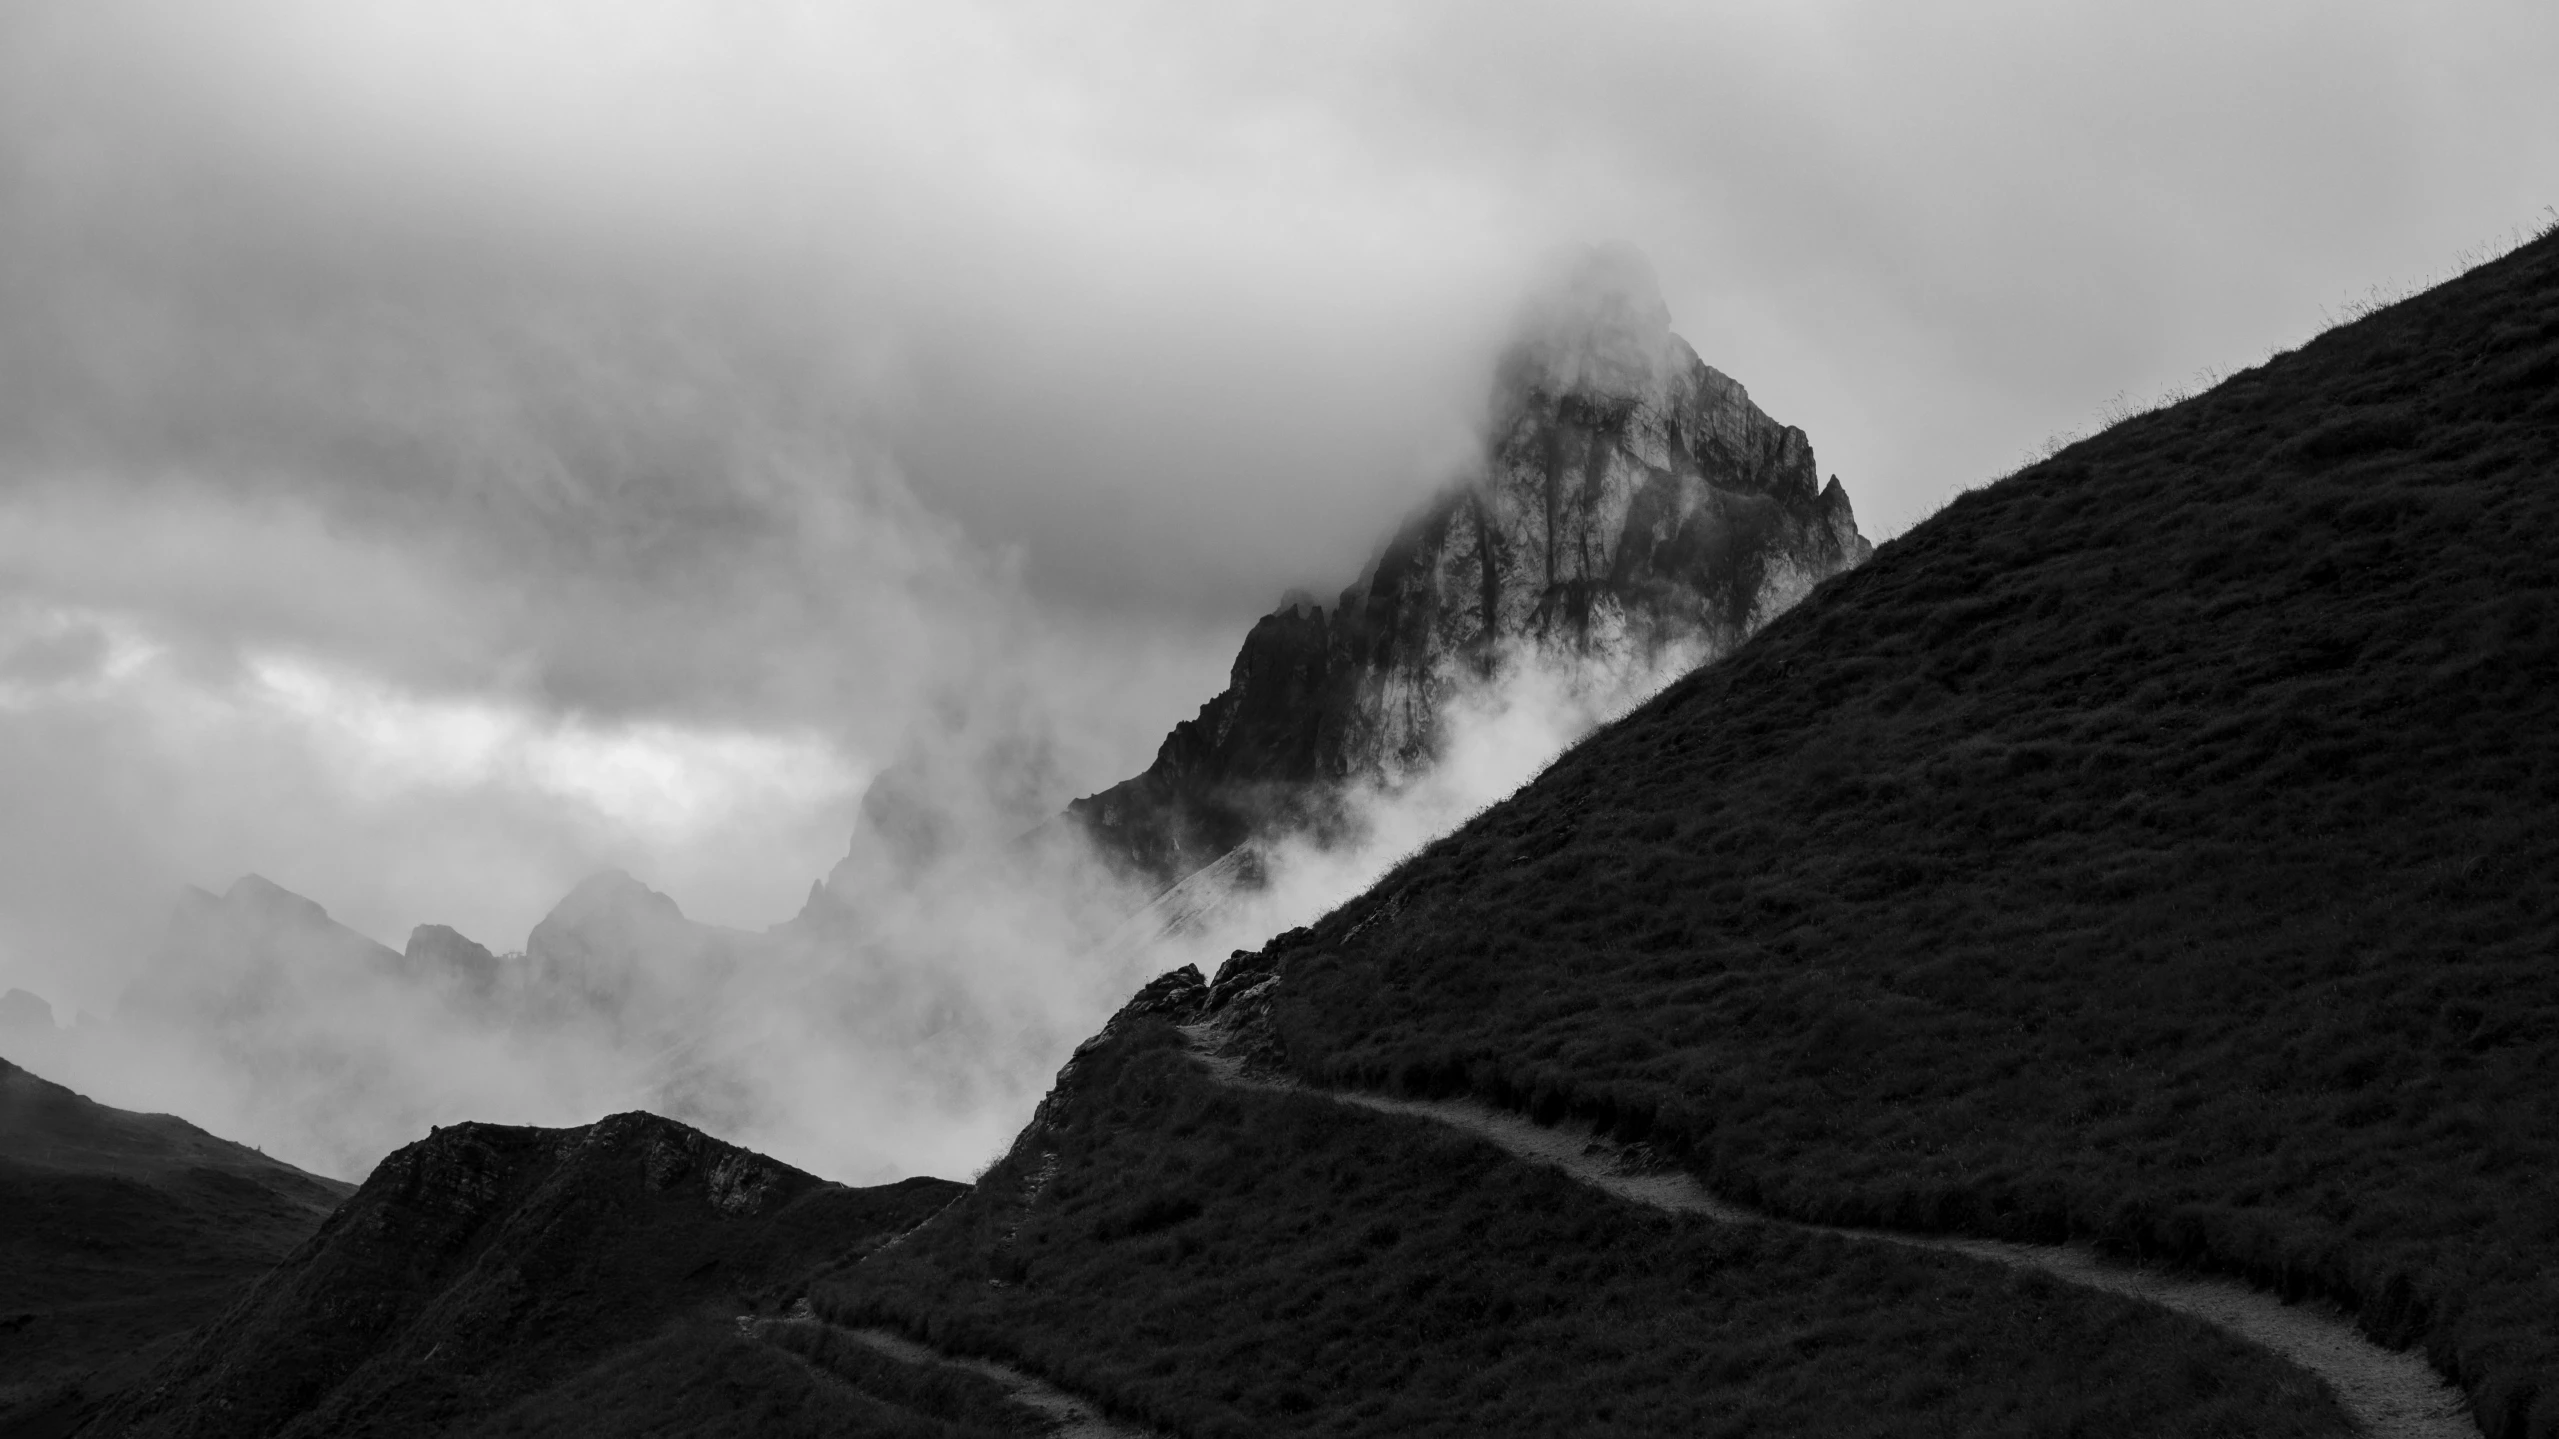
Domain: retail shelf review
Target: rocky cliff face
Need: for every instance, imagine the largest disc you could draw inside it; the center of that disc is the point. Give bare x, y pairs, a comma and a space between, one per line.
1633, 513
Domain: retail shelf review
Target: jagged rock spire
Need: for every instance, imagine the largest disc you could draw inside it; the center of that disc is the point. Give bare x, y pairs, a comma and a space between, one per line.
1632, 513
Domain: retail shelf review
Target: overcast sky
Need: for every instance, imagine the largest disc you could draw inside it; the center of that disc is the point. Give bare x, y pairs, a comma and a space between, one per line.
447, 448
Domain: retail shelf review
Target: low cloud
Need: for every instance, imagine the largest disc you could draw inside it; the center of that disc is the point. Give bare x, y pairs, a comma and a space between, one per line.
1496, 733
900, 1026
446, 450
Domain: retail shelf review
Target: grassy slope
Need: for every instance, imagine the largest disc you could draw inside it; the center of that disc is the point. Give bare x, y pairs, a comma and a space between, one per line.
703, 1380
119, 1232
507, 1281
2162, 844
1233, 1263
488, 1262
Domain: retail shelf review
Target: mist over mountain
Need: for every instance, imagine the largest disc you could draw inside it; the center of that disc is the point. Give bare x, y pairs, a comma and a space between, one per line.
2084, 969
444, 456
2141, 870
1633, 515
1630, 513
757, 570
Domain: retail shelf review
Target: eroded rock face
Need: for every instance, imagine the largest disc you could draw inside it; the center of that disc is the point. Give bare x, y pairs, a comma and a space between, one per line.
1634, 514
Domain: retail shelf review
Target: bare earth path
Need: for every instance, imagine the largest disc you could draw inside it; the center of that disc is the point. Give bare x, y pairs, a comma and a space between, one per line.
2388, 1393
1071, 1418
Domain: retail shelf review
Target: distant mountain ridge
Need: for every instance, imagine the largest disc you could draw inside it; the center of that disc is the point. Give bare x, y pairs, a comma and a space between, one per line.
312, 1030
1635, 514
229, 954
613, 952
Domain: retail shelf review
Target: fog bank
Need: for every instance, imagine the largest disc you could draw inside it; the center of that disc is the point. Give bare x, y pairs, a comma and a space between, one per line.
449, 450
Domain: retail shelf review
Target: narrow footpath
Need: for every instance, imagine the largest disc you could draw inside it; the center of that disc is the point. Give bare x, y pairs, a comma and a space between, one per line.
1072, 1418
2389, 1393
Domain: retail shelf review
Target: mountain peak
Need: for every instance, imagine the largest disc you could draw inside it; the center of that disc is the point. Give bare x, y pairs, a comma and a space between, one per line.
257, 894
233, 952
612, 892
442, 954
1598, 328
612, 944
1632, 514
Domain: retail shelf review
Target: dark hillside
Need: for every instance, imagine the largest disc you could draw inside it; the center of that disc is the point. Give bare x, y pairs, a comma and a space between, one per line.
119, 1232
703, 1379
486, 1263
2160, 844
1220, 1261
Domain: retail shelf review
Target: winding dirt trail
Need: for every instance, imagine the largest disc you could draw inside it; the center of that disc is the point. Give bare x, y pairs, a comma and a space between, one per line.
2388, 1393
1072, 1418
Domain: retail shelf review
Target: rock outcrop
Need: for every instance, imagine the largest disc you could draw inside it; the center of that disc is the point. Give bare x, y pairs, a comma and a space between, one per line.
1634, 514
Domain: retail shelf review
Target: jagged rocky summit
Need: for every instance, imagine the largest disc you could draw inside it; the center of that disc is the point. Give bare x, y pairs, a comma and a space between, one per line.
1634, 514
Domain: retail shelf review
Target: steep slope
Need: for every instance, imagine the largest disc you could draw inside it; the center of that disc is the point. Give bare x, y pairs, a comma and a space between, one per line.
2156, 845
1634, 513
706, 1379
479, 1266
1225, 1260
119, 1231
